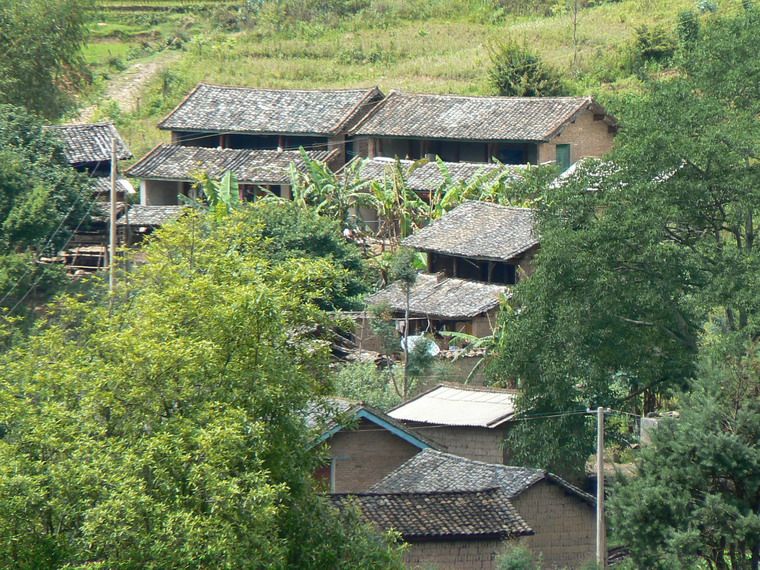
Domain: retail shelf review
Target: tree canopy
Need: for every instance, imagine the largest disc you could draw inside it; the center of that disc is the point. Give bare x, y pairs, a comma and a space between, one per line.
638, 253
41, 61
42, 200
695, 494
168, 430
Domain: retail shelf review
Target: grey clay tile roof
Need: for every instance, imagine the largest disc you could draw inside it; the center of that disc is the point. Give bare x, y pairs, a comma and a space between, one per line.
215, 108
175, 162
152, 216
428, 177
480, 230
458, 405
442, 297
472, 118
447, 515
102, 185
90, 142
434, 471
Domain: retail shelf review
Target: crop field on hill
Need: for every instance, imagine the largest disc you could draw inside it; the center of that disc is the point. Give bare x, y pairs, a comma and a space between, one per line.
440, 46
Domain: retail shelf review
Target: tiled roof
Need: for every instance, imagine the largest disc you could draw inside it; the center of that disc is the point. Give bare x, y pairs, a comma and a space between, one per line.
479, 230
428, 177
90, 142
214, 108
443, 297
150, 215
472, 118
458, 405
455, 515
431, 471
102, 185
174, 162
327, 414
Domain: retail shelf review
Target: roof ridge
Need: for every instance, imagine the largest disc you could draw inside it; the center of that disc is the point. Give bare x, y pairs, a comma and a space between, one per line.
486, 490
492, 97
286, 89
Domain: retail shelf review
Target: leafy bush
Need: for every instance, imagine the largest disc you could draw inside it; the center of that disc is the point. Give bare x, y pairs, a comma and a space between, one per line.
517, 71
517, 558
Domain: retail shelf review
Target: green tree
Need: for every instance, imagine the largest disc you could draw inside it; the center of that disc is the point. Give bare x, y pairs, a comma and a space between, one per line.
169, 431
42, 201
518, 72
637, 253
697, 489
41, 60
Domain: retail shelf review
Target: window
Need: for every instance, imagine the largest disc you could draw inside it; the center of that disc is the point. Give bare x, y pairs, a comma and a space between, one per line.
563, 156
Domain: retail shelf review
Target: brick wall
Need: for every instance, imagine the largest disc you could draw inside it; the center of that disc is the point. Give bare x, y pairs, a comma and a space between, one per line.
454, 555
365, 455
587, 137
564, 525
480, 444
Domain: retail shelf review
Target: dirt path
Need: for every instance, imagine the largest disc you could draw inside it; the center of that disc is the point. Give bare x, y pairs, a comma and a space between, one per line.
126, 87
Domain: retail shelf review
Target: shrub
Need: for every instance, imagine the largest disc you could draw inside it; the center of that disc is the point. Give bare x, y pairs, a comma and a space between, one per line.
517, 558
516, 71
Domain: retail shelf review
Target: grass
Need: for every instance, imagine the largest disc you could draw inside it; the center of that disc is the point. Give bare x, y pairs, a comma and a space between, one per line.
440, 46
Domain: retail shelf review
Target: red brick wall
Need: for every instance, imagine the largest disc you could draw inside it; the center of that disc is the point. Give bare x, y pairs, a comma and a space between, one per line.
564, 525
365, 455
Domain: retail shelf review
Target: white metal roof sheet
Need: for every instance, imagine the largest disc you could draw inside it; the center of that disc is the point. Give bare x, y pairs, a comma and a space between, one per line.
447, 405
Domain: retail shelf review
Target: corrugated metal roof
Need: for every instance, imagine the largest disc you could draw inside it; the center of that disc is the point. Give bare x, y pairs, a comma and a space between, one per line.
458, 406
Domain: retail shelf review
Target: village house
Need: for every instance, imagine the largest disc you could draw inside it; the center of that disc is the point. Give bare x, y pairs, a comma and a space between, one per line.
469, 421
168, 171
363, 444
512, 130
87, 148
474, 253
268, 119
450, 530
561, 516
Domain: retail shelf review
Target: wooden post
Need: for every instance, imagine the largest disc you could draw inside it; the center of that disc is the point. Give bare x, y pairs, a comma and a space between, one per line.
112, 226
601, 539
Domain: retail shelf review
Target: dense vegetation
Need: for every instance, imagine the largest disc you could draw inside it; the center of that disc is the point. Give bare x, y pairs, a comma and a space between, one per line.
163, 426
166, 429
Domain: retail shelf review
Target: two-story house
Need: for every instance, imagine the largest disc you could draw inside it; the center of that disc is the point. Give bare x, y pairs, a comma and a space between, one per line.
512, 130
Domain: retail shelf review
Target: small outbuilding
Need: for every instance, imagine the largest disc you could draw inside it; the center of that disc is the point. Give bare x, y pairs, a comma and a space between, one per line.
468, 421
449, 530
560, 514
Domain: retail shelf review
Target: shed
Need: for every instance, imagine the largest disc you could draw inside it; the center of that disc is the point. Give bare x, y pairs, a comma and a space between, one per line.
562, 515
364, 443
447, 530
469, 421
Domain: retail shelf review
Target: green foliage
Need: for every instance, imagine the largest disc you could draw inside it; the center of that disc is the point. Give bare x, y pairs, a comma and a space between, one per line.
41, 57
168, 432
697, 485
221, 195
292, 233
516, 71
42, 199
517, 558
364, 381
641, 252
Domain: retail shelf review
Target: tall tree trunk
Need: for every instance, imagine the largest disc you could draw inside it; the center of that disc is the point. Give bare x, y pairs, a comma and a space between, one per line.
406, 343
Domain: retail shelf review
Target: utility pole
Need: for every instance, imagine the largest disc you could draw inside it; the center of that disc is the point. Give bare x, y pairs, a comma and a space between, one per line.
601, 538
112, 226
